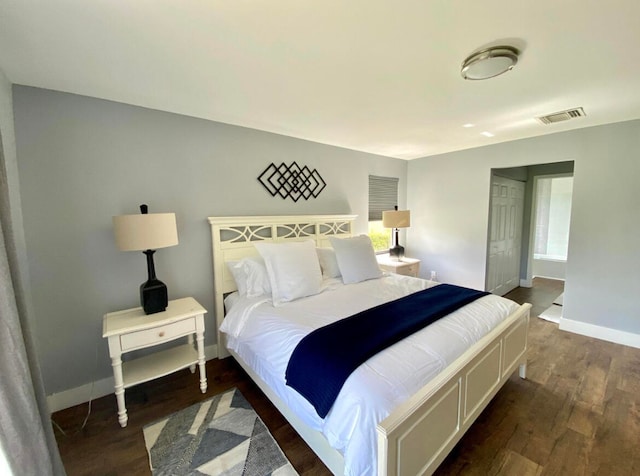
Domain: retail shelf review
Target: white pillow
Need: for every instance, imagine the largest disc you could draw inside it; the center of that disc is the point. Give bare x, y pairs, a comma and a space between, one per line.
230, 300
251, 277
356, 258
328, 262
238, 276
293, 268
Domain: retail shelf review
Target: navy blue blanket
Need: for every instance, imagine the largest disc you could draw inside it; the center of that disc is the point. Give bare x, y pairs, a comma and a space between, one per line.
324, 359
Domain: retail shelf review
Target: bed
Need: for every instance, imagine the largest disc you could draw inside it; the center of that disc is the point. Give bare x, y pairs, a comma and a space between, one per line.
418, 433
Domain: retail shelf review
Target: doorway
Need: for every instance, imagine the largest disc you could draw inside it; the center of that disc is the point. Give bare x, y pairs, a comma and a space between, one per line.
519, 235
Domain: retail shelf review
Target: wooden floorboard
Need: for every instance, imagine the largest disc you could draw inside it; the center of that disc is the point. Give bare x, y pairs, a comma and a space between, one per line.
577, 413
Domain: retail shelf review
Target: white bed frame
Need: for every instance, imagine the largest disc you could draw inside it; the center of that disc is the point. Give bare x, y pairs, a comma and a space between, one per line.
417, 436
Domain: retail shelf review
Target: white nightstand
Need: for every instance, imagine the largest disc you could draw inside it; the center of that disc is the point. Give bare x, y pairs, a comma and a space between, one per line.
406, 266
133, 329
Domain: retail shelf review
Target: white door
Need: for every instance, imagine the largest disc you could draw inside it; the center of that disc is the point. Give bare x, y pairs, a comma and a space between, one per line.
505, 235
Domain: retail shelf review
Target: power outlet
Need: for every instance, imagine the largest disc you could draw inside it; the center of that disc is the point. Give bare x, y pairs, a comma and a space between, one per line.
433, 276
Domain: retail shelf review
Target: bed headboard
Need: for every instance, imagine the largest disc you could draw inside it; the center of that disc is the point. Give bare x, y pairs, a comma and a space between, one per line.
232, 239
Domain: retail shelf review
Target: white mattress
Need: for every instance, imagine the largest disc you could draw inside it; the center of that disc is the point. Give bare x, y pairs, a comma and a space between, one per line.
264, 336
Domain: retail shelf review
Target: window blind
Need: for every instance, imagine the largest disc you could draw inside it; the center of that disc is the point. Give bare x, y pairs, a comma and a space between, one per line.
383, 195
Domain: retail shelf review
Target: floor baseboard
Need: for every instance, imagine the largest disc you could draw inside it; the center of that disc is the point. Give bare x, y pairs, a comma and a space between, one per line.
599, 332
99, 388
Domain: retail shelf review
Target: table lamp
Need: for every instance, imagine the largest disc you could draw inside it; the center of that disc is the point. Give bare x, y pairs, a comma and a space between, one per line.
396, 219
147, 232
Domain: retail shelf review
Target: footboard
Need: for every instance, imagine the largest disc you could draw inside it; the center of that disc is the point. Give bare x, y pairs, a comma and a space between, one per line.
419, 434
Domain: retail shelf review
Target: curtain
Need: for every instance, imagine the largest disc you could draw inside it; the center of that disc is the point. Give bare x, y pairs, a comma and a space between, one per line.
27, 442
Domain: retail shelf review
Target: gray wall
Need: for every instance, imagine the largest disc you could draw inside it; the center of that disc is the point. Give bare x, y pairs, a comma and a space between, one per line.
449, 199
12, 223
82, 160
514, 173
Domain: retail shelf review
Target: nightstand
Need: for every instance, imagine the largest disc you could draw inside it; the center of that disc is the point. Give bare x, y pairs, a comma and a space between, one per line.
133, 329
406, 266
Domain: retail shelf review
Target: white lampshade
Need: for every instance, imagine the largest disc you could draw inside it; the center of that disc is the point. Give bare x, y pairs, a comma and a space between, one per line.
396, 219
145, 231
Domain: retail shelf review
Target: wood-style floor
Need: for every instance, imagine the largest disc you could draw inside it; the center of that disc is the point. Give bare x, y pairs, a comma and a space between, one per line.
577, 413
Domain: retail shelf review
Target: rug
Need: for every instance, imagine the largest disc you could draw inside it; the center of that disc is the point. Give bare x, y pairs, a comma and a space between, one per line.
559, 300
554, 312
221, 436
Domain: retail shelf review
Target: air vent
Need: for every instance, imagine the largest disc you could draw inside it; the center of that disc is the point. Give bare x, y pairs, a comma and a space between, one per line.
562, 116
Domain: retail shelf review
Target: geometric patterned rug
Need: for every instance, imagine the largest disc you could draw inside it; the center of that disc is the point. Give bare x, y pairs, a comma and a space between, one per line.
222, 436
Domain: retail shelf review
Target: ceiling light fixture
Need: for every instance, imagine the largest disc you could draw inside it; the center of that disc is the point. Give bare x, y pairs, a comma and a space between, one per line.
487, 134
489, 62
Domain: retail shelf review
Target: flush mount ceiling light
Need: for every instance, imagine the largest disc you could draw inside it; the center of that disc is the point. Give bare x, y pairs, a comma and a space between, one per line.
489, 62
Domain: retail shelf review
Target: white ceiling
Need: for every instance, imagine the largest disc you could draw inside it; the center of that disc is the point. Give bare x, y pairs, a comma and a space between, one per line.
370, 75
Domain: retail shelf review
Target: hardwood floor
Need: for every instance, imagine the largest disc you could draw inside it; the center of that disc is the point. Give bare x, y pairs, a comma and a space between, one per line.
577, 413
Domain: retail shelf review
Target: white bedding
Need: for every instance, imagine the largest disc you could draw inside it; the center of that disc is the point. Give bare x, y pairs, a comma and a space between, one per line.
264, 337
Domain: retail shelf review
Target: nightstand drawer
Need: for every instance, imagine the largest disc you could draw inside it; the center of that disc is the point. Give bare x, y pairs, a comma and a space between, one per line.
147, 337
406, 266
409, 270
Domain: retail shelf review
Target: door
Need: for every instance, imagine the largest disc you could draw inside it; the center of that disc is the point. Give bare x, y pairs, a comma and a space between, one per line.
505, 235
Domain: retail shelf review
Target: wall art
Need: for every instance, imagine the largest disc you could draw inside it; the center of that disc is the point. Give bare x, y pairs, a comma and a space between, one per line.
292, 181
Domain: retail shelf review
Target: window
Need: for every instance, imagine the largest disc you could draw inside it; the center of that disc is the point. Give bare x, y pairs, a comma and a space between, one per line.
383, 195
553, 211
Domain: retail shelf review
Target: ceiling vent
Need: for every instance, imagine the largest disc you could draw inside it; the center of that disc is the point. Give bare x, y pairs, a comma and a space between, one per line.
562, 116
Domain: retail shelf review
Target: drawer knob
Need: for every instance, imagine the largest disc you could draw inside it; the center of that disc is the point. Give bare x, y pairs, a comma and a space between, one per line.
161, 334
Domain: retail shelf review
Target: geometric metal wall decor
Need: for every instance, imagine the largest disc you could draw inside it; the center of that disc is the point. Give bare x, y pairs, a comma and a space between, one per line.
292, 181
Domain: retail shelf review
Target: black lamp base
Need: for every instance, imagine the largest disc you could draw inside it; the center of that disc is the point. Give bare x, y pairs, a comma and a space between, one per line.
396, 253
153, 296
